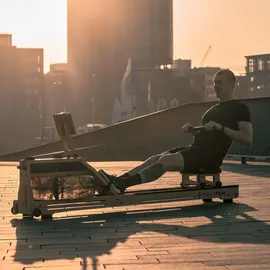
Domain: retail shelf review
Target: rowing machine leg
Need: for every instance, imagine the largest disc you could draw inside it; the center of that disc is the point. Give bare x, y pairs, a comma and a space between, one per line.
201, 180
187, 182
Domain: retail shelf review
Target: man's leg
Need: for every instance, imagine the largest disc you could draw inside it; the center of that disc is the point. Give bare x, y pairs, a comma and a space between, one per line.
167, 162
150, 161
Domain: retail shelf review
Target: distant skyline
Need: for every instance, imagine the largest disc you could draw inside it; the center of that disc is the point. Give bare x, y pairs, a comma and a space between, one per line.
234, 28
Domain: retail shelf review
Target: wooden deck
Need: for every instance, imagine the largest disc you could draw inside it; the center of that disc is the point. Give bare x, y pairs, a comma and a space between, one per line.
184, 235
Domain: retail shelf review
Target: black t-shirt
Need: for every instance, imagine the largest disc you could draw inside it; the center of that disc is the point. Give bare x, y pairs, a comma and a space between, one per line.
227, 113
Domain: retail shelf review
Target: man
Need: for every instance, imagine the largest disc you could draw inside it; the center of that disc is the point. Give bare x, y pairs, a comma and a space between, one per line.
225, 122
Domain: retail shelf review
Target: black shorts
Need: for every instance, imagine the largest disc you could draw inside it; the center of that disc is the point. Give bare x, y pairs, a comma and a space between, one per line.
195, 159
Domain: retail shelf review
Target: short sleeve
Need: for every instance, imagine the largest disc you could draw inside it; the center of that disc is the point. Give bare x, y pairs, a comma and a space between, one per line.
243, 113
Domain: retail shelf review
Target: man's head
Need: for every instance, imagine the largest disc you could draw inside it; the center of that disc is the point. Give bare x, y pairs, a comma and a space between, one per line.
224, 83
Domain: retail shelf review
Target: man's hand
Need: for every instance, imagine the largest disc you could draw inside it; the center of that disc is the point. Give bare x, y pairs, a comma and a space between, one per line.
186, 128
211, 126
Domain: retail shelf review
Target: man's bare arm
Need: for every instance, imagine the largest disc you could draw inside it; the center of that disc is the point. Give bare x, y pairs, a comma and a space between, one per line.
243, 136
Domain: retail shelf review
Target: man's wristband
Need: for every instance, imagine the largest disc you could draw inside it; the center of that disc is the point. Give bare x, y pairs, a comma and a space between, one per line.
222, 128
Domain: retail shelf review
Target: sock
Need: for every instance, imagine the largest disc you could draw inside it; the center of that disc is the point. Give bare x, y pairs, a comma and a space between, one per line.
129, 181
149, 174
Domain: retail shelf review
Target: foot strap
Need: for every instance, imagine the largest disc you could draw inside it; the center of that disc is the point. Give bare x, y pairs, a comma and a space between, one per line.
110, 182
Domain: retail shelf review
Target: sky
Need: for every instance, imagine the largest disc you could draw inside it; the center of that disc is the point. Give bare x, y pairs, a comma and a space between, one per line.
234, 29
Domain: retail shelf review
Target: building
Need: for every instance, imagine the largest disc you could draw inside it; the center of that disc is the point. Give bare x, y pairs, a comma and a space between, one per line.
181, 67
102, 36
55, 92
168, 89
21, 87
5, 40
31, 85
209, 74
258, 74
241, 89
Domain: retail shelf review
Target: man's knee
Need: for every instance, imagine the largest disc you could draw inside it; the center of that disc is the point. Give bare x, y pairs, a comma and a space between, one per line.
172, 162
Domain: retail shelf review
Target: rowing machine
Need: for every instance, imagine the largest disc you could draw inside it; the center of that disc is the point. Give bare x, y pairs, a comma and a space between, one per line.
51, 185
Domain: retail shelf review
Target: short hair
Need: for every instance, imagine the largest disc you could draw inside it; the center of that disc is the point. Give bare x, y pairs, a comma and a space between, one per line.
229, 74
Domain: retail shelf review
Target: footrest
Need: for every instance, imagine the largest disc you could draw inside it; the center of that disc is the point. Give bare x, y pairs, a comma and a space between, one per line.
110, 188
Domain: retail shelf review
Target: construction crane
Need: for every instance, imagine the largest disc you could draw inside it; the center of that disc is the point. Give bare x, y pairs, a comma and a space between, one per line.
207, 52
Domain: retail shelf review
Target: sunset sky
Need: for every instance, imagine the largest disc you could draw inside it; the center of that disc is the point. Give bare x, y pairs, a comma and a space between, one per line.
234, 28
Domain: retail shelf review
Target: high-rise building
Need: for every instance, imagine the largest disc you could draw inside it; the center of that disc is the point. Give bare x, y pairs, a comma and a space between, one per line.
21, 87
55, 91
102, 36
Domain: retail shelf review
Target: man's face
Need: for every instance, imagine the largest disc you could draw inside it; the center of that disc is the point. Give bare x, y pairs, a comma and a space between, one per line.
222, 85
